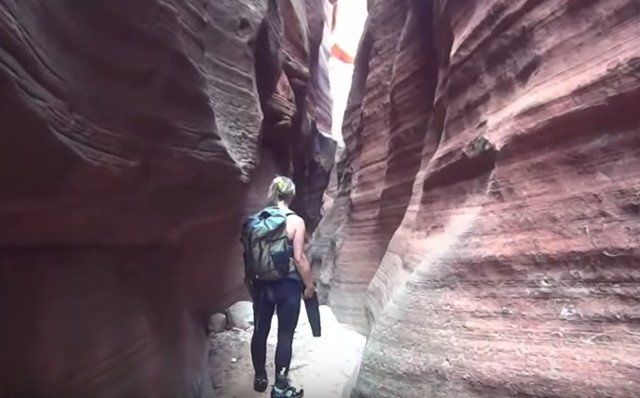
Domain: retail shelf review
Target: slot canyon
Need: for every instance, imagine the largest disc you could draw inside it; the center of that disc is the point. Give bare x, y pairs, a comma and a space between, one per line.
468, 171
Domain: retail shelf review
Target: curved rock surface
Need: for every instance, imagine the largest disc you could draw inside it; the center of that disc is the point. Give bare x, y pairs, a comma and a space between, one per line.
487, 218
131, 147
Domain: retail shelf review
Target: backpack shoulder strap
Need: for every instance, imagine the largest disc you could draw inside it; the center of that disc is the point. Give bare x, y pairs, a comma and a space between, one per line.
274, 210
264, 213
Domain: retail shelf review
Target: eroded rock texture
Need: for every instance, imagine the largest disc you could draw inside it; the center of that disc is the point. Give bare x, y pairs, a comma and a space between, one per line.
487, 211
391, 99
130, 148
294, 90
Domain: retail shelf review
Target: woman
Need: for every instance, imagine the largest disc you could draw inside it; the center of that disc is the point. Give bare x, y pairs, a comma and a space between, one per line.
283, 296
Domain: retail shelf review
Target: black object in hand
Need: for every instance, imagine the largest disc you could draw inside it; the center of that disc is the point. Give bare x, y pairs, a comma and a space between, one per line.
313, 313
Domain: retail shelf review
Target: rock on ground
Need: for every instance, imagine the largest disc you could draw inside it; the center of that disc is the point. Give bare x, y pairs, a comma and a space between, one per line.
488, 219
322, 366
240, 315
217, 323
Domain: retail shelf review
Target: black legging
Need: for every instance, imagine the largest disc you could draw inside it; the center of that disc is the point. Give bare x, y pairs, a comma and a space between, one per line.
284, 296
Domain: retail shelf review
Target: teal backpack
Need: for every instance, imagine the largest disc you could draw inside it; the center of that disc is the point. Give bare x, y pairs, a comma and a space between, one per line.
267, 252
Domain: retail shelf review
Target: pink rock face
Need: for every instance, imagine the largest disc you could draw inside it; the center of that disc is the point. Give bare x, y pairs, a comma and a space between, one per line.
492, 189
130, 150
383, 133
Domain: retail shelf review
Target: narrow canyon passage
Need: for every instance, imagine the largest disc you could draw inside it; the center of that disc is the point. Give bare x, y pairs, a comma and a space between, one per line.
323, 366
468, 171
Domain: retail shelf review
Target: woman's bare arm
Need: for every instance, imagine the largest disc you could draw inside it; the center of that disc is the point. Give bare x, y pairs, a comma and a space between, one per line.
300, 259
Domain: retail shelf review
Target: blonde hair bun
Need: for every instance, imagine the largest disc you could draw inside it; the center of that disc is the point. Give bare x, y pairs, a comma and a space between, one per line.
281, 189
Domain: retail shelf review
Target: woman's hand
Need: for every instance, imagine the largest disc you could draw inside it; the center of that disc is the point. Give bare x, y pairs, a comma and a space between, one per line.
309, 291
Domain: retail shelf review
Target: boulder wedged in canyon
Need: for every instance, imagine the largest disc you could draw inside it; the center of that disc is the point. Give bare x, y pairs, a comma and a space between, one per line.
132, 144
488, 214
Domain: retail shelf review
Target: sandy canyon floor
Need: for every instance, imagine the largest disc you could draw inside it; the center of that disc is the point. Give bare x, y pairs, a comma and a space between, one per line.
323, 366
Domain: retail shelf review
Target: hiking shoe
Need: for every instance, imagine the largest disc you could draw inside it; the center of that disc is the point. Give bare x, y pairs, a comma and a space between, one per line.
260, 383
287, 392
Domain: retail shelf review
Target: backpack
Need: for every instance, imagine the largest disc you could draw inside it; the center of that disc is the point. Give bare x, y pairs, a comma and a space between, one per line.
267, 252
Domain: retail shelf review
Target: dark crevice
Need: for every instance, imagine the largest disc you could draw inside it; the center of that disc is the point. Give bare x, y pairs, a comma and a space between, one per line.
275, 135
300, 150
443, 37
267, 55
478, 159
243, 24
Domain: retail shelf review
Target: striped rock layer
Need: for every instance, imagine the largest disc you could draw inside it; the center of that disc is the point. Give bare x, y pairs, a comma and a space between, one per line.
485, 230
134, 137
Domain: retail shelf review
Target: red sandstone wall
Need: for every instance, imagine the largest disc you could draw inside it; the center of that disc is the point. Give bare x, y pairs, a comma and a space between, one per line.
132, 142
487, 218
